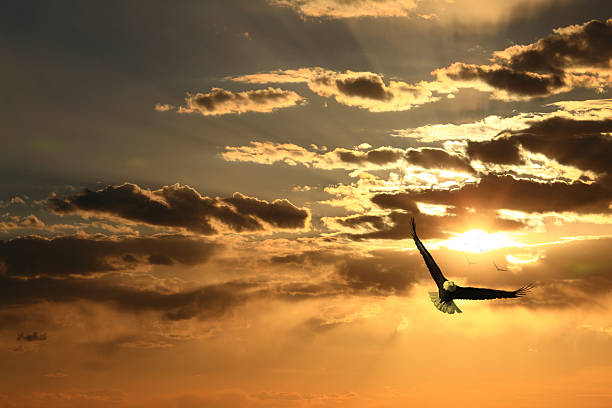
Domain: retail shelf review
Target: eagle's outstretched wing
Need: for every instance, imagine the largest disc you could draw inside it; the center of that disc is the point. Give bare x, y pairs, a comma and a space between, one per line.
484, 293
435, 272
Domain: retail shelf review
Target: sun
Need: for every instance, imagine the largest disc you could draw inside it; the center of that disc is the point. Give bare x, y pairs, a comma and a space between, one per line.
477, 241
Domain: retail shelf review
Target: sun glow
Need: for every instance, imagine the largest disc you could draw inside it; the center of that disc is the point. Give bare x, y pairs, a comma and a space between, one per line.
477, 241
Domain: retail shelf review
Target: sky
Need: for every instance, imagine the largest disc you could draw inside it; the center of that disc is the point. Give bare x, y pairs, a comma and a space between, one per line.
207, 203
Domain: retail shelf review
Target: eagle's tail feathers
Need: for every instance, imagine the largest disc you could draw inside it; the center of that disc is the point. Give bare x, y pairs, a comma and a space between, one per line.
447, 307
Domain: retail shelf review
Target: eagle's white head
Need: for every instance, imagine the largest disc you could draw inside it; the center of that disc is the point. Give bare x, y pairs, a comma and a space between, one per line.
449, 285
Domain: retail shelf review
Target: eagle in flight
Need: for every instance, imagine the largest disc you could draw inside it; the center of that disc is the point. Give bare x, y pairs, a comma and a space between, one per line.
449, 291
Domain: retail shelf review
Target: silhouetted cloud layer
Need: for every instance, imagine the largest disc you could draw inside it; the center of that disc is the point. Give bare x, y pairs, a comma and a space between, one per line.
497, 192
79, 255
204, 302
584, 144
182, 206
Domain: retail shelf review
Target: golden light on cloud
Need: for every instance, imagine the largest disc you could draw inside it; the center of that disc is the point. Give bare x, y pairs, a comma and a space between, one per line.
477, 241
522, 258
434, 209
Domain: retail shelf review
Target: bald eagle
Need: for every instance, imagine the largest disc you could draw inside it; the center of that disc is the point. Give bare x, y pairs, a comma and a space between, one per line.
449, 291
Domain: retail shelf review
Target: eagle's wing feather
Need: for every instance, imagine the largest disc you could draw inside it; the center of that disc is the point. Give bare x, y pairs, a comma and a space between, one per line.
467, 292
434, 270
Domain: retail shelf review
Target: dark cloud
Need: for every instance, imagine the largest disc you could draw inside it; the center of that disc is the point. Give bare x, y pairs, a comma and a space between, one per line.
572, 57
587, 45
496, 192
429, 158
182, 207
158, 259
76, 255
220, 102
35, 336
204, 302
584, 144
378, 156
514, 82
366, 86
279, 213
499, 151
580, 143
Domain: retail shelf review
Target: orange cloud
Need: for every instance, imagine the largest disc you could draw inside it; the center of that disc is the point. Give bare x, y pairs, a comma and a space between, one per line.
365, 90
221, 102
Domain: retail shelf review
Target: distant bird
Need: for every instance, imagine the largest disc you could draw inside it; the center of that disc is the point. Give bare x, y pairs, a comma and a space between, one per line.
448, 291
499, 269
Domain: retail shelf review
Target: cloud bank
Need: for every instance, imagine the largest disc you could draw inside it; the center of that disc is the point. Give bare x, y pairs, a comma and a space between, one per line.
180, 206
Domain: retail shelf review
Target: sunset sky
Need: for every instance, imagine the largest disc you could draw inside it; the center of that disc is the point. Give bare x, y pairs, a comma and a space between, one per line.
207, 203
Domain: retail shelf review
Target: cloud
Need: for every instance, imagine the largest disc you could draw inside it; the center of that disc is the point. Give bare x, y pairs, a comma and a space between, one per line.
221, 102
365, 90
472, 12
492, 126
203, 302
357, 195
503, 82
501, 151
159, 107
279, 213
586, 45
375, 273
35, 336
584, 144
79, 255
31, 221
181, 206
568, 274
349, 8
480, 130
340, 158
497, 192
572, 57
396, 225
573, 274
